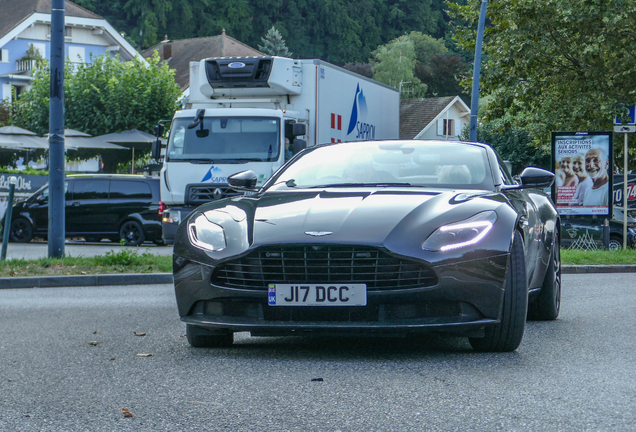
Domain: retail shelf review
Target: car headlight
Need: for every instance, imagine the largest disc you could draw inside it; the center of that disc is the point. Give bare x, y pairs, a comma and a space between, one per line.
460, 234
205, 234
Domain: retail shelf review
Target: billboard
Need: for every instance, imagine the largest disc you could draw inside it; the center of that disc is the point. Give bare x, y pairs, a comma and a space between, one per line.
582, 164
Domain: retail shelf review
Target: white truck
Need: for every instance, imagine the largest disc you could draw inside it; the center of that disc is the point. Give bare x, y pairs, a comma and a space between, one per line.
242, 112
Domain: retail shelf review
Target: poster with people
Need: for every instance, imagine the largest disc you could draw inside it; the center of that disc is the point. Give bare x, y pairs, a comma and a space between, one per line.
582, 163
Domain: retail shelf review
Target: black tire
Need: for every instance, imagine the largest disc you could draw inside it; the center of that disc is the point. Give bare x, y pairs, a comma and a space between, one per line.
615, 243
21, 231
131, 233
199, 337
507, 335
547, 305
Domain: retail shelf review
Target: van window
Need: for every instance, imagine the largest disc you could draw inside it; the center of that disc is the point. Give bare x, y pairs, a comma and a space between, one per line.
45, 192
130, 189
90, 189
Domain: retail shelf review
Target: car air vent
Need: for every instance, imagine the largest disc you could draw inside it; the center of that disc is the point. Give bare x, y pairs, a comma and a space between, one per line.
322, 264
238, 72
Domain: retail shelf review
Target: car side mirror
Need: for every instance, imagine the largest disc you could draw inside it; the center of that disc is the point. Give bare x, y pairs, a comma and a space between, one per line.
244, 181
535, 178
299, 129
299, 145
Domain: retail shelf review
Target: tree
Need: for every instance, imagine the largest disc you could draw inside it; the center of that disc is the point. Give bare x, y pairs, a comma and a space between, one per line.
513, 144
554, 64
394, 63
103, 96
443, 75
274, 44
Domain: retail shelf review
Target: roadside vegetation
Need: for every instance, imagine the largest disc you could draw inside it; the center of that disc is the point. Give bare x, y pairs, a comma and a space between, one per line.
123, 261
130, 261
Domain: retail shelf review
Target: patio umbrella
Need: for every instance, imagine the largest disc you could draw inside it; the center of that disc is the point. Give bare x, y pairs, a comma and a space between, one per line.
27, 140
133, 139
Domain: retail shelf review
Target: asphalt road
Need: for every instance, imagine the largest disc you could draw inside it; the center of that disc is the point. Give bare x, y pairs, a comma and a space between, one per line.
69, 361
40, 249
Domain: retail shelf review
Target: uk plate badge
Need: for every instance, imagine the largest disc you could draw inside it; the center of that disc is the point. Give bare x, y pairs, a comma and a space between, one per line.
271, 295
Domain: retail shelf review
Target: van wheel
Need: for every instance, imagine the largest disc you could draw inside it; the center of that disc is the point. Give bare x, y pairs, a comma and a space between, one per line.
615, 243
131, 233
21, 231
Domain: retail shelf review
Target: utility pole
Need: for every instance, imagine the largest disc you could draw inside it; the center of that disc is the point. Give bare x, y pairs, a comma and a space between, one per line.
56, 134
474, 100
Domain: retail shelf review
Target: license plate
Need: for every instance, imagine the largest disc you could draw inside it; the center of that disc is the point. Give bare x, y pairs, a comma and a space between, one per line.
317, 295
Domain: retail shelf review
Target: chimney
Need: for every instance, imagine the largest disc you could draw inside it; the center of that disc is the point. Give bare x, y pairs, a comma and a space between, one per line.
167, 48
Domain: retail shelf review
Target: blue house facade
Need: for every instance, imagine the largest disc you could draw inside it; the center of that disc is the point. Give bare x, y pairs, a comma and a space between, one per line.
26, 24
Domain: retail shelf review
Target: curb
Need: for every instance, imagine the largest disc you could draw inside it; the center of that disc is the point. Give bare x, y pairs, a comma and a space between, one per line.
166, 278
86, 280
577, 269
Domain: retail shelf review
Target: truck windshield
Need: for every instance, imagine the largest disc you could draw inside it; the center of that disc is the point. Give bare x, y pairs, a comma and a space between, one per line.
230, 139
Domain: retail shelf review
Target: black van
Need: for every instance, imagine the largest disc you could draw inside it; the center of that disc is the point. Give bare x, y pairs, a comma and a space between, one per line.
116, 207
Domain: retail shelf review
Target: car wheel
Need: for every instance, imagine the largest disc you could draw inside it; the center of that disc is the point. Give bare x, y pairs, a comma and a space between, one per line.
547, 305
200, 337
615, 243
506, 336
131, 233
21, 231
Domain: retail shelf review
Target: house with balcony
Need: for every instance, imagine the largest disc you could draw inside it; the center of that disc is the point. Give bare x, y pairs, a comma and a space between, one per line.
25, 39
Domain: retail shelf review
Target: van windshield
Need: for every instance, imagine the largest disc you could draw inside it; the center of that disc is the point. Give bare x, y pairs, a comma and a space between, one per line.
228, 139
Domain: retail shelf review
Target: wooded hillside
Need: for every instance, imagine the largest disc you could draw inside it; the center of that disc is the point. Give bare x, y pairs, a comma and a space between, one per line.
339, 31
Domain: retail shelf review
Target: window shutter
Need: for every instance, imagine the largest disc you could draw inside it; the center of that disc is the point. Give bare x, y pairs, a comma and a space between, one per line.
440, 127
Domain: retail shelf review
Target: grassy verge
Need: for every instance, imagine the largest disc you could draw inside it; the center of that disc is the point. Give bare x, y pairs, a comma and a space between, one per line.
601, 257
130, 261
123, 261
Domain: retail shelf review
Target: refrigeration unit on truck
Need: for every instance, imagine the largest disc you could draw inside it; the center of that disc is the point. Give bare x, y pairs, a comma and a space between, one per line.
241, 112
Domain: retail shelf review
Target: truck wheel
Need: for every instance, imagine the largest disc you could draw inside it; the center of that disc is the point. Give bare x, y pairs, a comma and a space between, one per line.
199, 337
547, 305
507, 335
21, 231
131, 233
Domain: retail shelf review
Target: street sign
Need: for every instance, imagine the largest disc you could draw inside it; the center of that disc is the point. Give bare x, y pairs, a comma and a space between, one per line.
631, 114
625, 128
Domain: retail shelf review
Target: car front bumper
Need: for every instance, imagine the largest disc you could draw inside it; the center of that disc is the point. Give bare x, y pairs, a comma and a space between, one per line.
467, 297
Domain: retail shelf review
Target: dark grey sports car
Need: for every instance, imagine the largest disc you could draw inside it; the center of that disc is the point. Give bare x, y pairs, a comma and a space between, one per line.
374, 237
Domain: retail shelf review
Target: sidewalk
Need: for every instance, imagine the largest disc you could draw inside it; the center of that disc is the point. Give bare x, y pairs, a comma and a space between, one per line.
166, 278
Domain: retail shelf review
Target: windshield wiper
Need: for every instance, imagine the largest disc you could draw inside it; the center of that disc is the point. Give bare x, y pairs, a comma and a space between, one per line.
379, 184
196, 161
239, 161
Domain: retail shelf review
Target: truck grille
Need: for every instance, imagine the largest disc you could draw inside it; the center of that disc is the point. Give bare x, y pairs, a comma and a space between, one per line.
197, 194
322, 264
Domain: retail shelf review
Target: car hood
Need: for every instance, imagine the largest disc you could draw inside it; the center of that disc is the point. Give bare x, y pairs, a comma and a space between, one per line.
399, 220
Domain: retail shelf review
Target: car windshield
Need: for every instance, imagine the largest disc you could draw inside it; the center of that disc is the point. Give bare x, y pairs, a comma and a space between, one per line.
409, 164
225, 139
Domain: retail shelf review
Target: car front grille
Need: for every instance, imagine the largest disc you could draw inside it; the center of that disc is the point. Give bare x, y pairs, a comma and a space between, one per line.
322, 264
197, 194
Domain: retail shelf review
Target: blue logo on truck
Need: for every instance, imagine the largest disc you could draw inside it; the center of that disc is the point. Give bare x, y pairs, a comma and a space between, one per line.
214, 175
363, 130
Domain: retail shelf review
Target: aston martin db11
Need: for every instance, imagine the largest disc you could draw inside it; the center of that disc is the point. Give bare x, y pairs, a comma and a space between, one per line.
374, 237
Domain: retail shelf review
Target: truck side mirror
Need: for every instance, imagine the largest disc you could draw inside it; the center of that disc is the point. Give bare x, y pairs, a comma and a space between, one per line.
299, 145
156, 149
299, 129
243, 181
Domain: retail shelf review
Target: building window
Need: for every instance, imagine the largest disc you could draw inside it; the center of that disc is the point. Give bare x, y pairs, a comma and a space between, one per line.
446, 127
4, 56
77, 54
